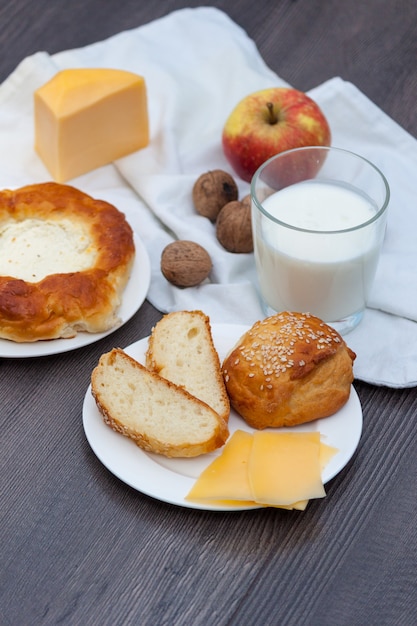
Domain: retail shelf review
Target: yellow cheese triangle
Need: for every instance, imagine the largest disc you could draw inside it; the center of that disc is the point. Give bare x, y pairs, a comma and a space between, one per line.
226, 478
284, 467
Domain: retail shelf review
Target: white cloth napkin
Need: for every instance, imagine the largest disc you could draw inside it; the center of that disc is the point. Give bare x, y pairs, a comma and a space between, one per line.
198, 64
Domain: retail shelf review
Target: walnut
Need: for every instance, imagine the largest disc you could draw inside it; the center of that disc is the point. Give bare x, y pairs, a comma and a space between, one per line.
247, 201
234, 228
212, 191
185, 263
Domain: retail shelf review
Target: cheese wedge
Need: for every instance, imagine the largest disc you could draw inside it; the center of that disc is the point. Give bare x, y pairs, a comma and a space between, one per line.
86, 118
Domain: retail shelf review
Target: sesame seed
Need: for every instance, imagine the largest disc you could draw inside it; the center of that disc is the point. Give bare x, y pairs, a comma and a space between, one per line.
271, 350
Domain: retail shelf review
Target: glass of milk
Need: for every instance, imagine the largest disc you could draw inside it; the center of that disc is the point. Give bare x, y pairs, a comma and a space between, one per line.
318, 220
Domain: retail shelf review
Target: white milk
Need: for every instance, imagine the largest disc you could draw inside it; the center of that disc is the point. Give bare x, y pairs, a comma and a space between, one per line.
327, 274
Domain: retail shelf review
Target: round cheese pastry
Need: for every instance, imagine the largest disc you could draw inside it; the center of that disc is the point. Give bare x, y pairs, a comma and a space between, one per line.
288, 369
65, 259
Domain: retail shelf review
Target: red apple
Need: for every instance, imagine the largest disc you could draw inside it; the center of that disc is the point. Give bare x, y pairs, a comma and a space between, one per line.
268, 122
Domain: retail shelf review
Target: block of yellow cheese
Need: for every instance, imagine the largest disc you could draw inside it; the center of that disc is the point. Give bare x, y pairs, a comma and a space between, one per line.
86, 118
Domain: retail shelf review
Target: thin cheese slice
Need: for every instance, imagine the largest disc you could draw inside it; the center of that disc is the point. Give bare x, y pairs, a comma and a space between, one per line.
267, 469
226, 478
299, 506
284, 467
86, 118
326, 454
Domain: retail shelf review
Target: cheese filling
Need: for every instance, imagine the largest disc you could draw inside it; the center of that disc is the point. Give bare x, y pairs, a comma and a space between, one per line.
33, 249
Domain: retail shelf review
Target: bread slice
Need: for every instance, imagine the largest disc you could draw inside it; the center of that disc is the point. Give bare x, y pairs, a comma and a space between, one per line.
158, 415
181, 349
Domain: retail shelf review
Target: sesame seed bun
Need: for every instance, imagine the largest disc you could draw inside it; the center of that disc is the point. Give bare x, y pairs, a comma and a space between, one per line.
288, 369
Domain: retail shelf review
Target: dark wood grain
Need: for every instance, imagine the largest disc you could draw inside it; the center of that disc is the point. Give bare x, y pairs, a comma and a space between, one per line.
78, 546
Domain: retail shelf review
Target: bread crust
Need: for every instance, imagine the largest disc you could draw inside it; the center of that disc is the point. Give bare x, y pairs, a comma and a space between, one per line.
156, 357
288, 369
62, 304
143, 428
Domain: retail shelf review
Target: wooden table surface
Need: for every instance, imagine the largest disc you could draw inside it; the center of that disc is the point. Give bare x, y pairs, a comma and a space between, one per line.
78, 546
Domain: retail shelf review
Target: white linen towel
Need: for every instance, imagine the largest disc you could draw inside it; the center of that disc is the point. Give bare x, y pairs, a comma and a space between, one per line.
198, 64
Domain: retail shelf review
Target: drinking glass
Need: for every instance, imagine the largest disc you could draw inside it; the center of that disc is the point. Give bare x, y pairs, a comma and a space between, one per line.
318, 220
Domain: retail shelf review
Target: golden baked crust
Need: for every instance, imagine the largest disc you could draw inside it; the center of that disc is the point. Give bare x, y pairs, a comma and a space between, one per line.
61, 304
181, 349
158, 415
288, 369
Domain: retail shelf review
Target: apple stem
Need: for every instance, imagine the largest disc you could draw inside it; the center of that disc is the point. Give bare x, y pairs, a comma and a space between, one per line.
273, 118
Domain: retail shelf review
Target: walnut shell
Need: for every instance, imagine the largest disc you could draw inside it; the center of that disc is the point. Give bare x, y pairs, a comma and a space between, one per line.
247, 200
185, 263
234, 227
211, 191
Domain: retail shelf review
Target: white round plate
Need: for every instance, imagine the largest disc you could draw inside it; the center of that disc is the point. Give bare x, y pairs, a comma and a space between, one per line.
169, 480
133, 297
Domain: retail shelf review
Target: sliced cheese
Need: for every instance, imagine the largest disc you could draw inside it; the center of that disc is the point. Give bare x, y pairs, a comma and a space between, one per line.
244, 476
284, 467
326, 454
226, 478
86, 118
299, 506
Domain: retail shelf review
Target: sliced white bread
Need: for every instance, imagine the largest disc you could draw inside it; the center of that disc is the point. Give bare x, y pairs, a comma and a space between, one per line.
181, 349
158, 415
